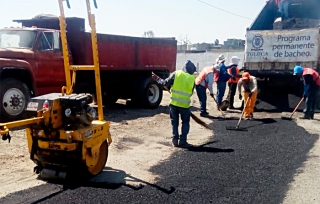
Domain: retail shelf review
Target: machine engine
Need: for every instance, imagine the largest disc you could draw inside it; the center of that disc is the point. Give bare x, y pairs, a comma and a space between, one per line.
77, 111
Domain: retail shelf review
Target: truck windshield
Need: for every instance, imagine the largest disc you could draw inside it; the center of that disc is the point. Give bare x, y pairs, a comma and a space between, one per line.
17, 38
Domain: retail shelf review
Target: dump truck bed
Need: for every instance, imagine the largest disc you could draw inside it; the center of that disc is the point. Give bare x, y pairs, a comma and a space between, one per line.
116, 52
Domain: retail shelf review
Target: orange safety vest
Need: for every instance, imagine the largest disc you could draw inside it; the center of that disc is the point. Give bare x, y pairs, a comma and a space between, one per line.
204, 72
315, 75
230, 72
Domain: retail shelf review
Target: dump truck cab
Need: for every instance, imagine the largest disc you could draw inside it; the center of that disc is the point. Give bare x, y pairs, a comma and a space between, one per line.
28, 56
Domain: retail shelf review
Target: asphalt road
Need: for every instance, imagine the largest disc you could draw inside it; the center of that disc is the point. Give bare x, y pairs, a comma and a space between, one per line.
253, 166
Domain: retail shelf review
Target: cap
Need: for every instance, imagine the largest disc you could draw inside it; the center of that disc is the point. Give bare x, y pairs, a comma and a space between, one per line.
245, 76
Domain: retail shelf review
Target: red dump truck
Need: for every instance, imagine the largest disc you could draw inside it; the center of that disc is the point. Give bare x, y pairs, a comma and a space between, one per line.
31, 64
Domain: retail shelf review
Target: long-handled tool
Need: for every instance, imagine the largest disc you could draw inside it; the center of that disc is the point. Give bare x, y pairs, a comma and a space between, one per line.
237, 127
219, 107
284, 117
225, 103
195, 118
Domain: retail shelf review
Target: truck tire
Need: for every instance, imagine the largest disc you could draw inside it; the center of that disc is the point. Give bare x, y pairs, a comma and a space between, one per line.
150, 93
14, 98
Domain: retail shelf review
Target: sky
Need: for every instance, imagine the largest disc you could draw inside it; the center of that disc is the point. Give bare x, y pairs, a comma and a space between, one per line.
197, 21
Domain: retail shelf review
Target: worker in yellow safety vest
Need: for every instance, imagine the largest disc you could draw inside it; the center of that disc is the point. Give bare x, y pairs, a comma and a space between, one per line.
182, 86
250, 86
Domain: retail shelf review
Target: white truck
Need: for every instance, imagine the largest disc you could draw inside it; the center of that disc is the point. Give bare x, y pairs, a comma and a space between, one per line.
273, 47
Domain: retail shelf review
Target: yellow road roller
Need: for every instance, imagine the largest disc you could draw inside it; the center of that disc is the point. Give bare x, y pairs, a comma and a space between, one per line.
64, 131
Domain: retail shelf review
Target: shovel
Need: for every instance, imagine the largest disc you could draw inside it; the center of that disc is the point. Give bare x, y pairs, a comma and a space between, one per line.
284, 117
219, 107
237, 127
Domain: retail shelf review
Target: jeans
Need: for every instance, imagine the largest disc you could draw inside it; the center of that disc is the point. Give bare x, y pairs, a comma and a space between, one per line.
221, 88
201, 92
283, 8
185, 117
232, 92
310, 103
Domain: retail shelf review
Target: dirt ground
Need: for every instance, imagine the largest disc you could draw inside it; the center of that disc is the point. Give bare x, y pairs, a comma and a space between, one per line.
141, 139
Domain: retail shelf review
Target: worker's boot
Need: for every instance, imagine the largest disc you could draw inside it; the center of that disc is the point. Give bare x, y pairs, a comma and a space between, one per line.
231, 107
251, 116
204, 114
184, 145
175, 142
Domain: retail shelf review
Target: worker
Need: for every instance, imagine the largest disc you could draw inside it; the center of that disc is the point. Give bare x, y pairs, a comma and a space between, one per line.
205, 81
283, 8
311, 83
182, 86
221, 77
249, 84
232, 82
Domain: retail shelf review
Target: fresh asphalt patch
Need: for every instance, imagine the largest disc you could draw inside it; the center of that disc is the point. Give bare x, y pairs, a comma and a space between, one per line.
254, 166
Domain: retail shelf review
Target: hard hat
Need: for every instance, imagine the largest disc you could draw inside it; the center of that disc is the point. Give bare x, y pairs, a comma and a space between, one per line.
297, 70
245, 76
235, 60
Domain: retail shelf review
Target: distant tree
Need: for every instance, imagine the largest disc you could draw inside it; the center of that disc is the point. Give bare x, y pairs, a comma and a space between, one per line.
148, 34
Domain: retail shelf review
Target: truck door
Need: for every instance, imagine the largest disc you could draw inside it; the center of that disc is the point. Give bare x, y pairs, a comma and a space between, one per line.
50, 75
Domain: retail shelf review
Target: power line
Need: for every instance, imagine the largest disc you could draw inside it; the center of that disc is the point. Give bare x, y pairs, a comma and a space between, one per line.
224, 10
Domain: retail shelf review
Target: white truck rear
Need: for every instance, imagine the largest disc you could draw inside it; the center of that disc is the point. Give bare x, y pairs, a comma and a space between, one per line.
280, 50
273, 47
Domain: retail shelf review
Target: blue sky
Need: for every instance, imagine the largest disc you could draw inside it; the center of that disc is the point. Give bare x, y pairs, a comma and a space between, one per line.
166, 18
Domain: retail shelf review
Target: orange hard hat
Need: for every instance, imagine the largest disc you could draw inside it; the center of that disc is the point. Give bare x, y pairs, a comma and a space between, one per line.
245, 76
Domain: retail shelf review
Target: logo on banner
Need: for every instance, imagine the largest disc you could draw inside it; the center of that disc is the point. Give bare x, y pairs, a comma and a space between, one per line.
257, 41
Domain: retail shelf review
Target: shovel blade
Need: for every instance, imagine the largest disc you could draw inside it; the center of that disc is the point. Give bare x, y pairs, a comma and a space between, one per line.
236, 128
286, 116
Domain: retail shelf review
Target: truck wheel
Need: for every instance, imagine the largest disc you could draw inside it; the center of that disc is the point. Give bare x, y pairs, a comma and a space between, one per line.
150, 94
14, 98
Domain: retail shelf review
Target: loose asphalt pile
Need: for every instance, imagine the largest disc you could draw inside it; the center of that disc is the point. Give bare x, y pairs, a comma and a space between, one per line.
278, 102
234, 167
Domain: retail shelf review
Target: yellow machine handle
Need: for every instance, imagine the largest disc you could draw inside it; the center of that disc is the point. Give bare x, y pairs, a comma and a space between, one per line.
5, 127
68, 89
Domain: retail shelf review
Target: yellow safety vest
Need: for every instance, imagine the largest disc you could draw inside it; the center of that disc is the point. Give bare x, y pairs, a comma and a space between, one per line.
182, 88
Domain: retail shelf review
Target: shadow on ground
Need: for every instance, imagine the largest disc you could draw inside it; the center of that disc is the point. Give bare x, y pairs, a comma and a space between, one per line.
108, 179
254, 166
121, 112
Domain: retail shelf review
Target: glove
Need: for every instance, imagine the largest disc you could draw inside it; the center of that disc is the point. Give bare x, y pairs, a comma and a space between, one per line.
240, 97
211, 95
250, 94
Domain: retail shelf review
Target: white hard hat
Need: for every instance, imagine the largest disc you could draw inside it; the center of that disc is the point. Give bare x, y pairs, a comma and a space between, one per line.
235, 60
